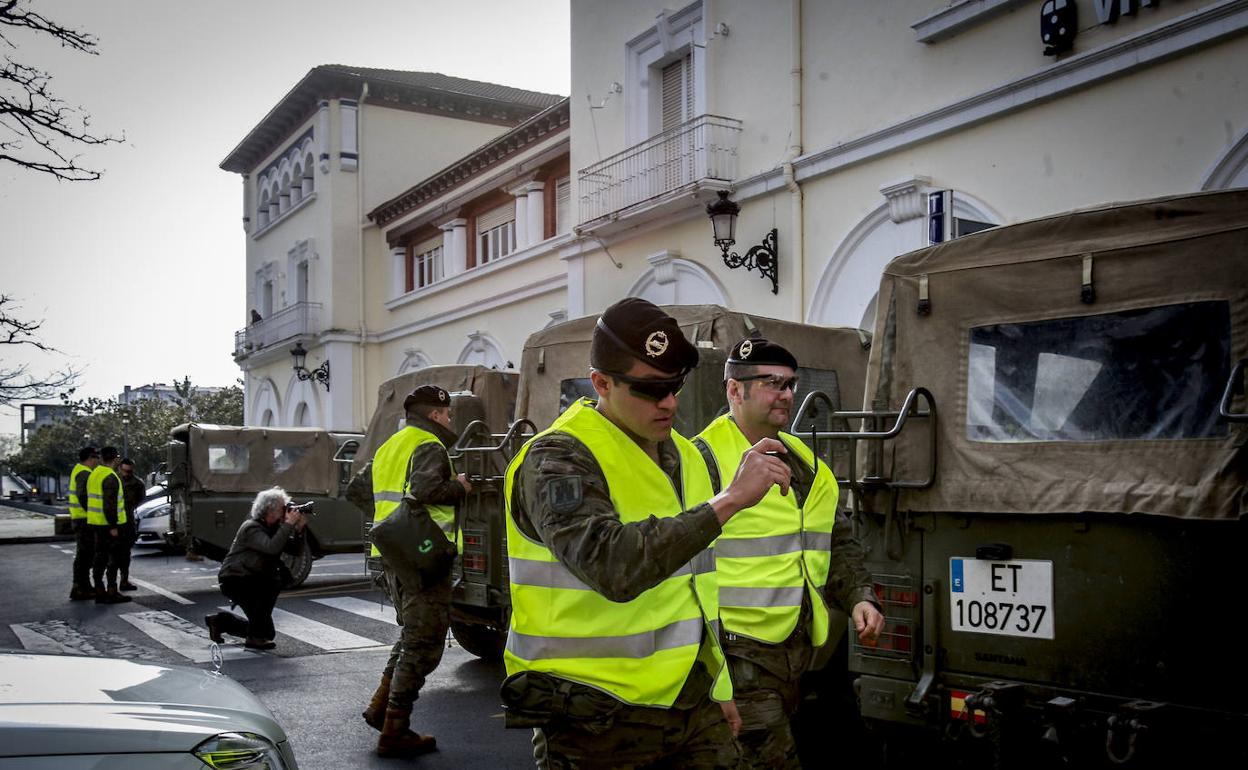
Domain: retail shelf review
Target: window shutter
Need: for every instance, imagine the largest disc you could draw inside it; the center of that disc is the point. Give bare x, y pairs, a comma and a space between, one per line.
428, 244
563, 205
677, 92
488, 220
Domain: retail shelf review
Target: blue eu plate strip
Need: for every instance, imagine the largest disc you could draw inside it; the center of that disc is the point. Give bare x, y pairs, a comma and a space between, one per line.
955, 575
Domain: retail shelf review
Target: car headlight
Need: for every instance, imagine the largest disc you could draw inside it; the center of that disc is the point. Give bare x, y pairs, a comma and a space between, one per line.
152, 513
240, 751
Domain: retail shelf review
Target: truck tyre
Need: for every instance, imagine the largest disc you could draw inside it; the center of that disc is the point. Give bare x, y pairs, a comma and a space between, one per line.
486, 642
295, 568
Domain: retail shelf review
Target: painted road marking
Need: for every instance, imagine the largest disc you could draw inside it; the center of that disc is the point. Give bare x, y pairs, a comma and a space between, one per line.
317, 634
162, 591
365, 609
59, 636
181, 636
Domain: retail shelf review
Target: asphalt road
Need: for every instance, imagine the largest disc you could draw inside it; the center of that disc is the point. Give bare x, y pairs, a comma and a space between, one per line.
334, 634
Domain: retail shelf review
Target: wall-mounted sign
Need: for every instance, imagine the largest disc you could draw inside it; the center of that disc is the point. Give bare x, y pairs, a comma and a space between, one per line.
1059, 20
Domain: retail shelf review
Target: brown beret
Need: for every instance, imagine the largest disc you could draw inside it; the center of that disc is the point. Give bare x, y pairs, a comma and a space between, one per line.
427, 395
642, 330
758, 351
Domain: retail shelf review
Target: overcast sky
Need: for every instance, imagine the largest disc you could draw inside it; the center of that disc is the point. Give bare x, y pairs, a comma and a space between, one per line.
139, 276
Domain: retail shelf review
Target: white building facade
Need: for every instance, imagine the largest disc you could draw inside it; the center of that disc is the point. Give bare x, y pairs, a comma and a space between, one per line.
341, 142
831, 122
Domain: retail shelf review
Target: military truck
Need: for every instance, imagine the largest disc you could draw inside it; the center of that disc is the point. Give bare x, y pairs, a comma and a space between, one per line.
1058, 552
482, 408
215, 471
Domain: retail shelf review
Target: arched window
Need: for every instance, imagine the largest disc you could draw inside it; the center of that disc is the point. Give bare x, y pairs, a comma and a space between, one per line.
309, 178
296, 184
283, 195
262, 213
301, 415
266, 419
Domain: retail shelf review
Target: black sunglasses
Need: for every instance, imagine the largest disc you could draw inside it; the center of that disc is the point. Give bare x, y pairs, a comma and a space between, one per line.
651, 389
772, 382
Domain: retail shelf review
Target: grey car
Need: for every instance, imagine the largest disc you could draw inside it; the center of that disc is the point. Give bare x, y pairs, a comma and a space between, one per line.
73, 713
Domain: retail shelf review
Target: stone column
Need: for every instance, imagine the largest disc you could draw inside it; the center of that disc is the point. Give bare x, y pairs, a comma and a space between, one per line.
536, 212
522, 221
455, 248
398, 257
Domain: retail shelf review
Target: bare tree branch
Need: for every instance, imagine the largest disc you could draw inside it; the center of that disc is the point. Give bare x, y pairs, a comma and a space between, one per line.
17, 383
35, 124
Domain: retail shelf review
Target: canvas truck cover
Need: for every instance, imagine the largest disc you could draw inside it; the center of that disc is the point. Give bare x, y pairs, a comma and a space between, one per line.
1077, 361
236, 459
496, 389
831, 359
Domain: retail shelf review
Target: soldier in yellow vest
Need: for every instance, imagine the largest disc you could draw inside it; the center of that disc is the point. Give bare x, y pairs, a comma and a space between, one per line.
781, 562
106, 513
613, 653
412, 463
84, 536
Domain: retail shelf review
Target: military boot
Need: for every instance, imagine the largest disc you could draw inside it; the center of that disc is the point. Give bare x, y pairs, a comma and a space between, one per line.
396, 740
375, 714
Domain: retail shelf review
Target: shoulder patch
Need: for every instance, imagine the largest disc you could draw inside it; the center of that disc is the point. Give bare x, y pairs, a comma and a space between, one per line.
564, 493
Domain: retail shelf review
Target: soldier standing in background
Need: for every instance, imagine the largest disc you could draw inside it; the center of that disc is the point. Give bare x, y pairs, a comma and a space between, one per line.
781, 563
613, 653
84, 536
106, 513
133, 490
412, 463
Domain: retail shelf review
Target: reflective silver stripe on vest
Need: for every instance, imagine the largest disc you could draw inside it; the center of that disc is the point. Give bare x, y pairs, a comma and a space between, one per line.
732, 596
387, 497
704, 562
546, 574
818, 541
772, 545
682, 633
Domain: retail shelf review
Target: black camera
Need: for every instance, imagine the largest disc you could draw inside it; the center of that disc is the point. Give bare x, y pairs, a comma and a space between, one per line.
304, 508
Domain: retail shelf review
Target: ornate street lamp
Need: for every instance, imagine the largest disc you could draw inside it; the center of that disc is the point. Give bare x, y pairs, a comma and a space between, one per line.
763, 257
319, 374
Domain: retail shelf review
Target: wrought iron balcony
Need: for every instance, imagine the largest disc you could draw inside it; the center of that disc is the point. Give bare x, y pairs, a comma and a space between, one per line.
676, 160
288, 323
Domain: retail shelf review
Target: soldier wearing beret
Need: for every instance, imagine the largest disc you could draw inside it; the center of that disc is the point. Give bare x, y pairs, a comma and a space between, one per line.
412, 463
781, 562
613, 653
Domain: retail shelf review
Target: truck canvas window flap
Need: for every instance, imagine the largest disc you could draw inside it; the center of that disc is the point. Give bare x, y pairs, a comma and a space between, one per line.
1152, 373
228, 458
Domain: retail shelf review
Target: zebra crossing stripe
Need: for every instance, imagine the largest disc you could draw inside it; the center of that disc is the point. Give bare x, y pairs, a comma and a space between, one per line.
317, 634
181, 636
36, 642
365, 609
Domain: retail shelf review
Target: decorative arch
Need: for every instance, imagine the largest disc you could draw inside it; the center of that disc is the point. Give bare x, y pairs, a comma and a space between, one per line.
845, 292
484, 350
1231, 170
264, 400
300, 392
675, 281
309, 178
413, 359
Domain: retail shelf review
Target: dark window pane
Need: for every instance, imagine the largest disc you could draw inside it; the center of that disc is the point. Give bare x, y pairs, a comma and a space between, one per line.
1155, 373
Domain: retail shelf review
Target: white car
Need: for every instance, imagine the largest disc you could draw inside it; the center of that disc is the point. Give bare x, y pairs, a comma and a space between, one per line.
65, 712
152, 520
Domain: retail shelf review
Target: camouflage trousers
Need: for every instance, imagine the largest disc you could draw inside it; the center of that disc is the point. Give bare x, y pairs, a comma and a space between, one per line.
767, 692
424, 615
697, 738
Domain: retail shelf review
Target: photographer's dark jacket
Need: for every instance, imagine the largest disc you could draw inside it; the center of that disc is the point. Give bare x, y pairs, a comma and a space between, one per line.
257, 549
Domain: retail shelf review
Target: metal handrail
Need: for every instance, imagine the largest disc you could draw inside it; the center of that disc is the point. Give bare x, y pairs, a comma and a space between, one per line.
507, 443
909, 408
1224, 408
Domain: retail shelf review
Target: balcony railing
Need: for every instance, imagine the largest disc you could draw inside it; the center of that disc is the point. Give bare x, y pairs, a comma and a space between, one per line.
287, 323
702, 148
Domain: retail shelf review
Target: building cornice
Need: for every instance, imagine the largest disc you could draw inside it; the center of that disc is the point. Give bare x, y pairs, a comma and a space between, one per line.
386, 89
538, 128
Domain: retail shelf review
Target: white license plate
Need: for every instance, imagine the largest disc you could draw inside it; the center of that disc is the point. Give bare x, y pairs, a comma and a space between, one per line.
1007, 598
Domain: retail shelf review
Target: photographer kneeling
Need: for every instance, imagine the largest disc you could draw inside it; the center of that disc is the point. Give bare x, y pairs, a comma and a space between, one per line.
250, 575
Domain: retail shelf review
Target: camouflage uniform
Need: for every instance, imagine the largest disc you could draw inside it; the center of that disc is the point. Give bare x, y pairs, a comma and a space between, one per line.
134, 490
423, 611
766, 678
619, 562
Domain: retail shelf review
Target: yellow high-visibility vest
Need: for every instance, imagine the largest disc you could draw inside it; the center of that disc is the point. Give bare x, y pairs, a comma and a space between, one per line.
390, 479
769, 555
95, 496
76, 511
640, 651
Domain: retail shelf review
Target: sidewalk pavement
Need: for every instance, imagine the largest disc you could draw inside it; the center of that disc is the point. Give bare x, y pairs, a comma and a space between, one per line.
22, 526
